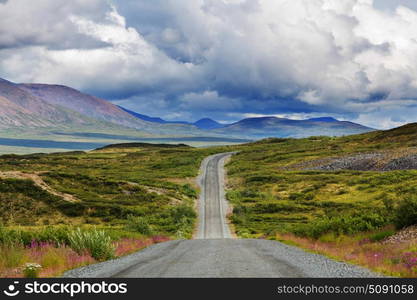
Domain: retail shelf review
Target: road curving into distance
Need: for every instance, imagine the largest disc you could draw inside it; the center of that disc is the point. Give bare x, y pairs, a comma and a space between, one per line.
214, 253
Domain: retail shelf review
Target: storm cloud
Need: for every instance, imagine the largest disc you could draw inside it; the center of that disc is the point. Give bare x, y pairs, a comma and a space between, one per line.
352, 59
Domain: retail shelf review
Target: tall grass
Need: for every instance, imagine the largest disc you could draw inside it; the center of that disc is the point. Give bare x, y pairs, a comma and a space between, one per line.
95, 242
55, 259
11, 256
396, 259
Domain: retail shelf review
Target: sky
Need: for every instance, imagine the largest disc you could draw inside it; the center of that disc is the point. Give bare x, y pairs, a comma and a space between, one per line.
225, 59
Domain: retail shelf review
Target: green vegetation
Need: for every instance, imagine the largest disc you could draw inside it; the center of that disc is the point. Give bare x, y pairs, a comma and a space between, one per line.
406, 212
274, 189
65, 210
279, 191
95, 242
137, 187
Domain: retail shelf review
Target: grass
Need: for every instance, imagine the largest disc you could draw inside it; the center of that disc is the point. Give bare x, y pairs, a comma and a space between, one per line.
329, 212
399, 260
271, 193
126, 198
57, 249
150, 182
95, 242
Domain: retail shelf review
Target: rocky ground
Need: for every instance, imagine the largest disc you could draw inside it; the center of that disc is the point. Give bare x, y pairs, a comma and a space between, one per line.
406, 159
405, 235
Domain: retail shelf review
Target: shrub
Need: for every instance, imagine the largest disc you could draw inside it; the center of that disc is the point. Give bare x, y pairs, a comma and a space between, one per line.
97, 243
189, 191
138, 224
50, 234
377, 237
348, 224
31, 270
406, 212
179, 212
182, 217
296, 196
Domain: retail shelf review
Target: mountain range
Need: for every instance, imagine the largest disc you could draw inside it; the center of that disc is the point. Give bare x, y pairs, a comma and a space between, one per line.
44, 111
263, 127
205, 123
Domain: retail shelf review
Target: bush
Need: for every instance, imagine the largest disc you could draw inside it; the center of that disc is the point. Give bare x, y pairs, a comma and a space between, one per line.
50, 234
31, 270
182, 211
182, 218
138, 224
189, 191
348, 224
406, 213
97, 243
377, 237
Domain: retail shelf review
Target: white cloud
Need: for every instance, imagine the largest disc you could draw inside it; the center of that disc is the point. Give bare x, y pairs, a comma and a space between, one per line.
125, 60
233, 56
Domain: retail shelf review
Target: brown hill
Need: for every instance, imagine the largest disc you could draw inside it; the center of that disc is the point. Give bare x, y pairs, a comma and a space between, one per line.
18, 108
84, 104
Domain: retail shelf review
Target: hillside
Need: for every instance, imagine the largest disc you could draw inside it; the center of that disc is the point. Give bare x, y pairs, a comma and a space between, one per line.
20, 109
144, 117
342, 196
406, 135
43, 105
84, 104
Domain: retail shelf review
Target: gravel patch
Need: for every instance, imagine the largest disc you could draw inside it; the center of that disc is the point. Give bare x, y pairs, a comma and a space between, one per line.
403, 163
374, 161
359, 162
405, 235
223, 258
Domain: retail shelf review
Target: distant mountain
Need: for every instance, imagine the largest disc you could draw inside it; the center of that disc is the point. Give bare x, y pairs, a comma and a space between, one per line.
205, 123
21, 109
143, 117
257, 128
323, 119
46, 110
281, 127
84, 104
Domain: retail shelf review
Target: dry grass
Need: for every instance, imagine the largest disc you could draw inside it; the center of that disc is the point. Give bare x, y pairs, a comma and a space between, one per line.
398, 260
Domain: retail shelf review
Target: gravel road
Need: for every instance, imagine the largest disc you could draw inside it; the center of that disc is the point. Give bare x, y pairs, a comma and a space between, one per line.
212, 203
214, 254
